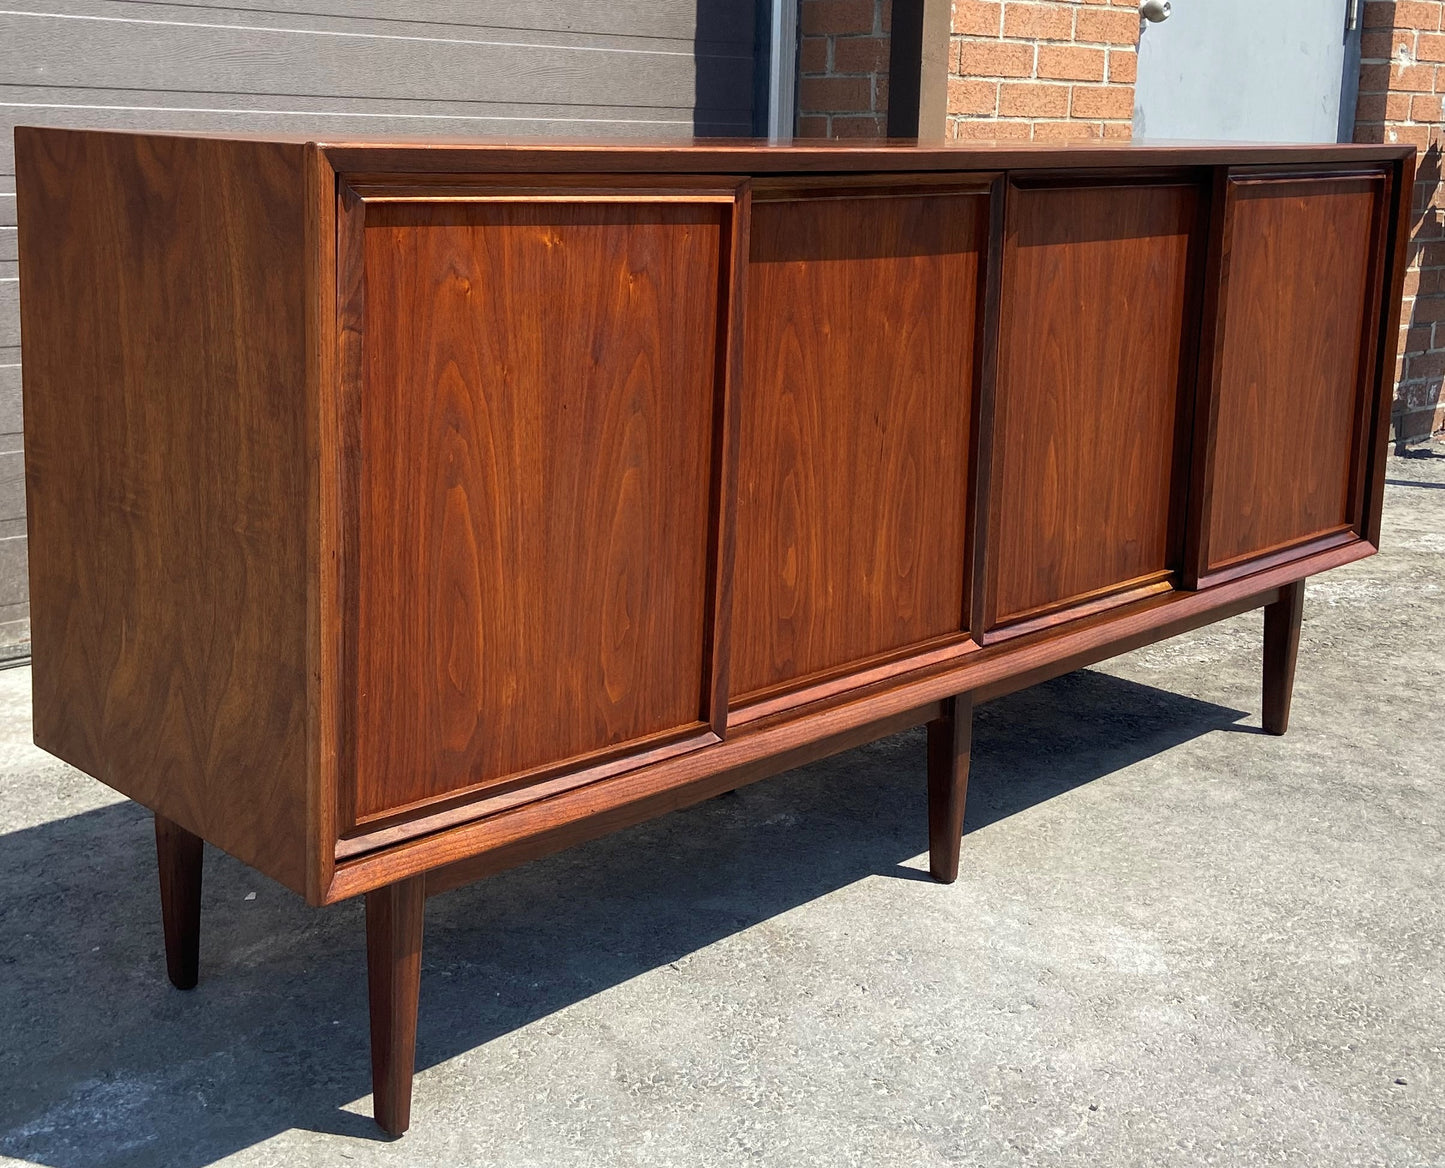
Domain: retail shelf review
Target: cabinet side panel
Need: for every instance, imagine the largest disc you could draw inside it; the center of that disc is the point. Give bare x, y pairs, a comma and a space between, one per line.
164, 325
1087, 471
538, 410
853, 456
1289, 385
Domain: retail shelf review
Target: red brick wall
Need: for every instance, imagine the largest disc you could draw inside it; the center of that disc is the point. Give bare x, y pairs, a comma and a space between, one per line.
843, 68
1040, 71
1052, 69
1402, 78
1047, 69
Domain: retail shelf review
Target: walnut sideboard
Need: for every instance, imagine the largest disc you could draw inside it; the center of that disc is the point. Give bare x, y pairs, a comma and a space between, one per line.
403, 511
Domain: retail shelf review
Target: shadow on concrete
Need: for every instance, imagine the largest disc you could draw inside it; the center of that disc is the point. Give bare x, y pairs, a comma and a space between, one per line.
102, 1063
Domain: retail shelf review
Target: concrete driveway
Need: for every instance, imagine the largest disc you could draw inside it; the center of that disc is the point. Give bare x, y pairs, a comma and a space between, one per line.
1175, 941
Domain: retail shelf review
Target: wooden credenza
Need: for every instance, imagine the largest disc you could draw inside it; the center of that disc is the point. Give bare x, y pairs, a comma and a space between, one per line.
402, 512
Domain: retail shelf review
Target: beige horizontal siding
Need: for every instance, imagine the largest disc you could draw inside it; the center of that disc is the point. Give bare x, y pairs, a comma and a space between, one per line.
390, 62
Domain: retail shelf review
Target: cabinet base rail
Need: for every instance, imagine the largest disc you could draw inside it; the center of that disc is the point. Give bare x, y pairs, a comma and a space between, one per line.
395, 912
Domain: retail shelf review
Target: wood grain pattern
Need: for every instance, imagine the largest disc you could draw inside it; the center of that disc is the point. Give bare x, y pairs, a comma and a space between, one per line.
166, 328
1282, 621
394, 919
1381, 388
537, 463
304, 815
330, 434
1291, 364
384, 530
440, 155
494, 843
949, 739
179, 857
1088, 456
853, 462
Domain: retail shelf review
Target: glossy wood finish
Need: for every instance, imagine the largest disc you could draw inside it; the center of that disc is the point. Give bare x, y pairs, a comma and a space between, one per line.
525, 831
1088, 461
1292, 372
438, 155
294, 814
949, 739
166, 328
394, 917
1281, 647
1401, 179
536, 483
389, 523
179, 857
853, 454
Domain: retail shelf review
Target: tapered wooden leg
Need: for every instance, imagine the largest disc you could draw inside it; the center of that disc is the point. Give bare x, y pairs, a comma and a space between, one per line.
178, 856
948, 744
393, 975
1281, 647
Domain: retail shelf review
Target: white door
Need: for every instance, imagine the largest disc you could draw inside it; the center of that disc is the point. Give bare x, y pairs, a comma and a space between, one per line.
1250, 70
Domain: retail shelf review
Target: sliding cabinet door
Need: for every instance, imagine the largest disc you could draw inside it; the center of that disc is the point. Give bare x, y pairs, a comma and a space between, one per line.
856, 406
1089, 442
539, 383
1283, 440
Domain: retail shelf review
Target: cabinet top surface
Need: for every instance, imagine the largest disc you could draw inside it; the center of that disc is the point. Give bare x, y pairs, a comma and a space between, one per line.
761, 156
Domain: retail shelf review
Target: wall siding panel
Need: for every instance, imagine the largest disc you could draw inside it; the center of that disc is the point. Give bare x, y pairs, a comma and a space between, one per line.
110, 53
10, 398
9, 317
